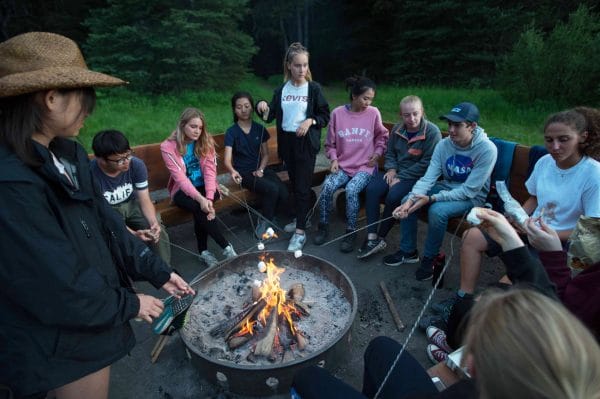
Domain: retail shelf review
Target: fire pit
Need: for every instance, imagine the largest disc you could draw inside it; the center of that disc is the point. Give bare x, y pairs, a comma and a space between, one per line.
327, 300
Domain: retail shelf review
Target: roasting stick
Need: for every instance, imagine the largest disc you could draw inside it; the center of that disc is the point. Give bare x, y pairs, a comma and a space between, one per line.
355, 231
392, 307
158, 347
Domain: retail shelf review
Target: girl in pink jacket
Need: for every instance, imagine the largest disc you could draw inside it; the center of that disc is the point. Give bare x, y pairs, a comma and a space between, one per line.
356, 139
189, 154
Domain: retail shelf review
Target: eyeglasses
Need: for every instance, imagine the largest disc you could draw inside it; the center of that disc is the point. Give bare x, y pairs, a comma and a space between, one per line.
121, 161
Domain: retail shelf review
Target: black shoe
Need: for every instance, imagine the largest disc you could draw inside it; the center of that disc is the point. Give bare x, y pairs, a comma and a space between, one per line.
425, 271
371, 247
347, 244
401, 257
321, 234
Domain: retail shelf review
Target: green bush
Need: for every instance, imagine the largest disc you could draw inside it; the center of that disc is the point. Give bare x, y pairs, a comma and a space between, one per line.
563, 66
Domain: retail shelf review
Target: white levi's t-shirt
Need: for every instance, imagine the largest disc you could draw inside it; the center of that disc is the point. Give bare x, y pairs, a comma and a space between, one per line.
294, 102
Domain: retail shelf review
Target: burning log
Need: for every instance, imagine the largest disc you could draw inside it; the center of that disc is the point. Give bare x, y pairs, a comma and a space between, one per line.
237, 341
264, 346
229, 326
301, 307
285, 339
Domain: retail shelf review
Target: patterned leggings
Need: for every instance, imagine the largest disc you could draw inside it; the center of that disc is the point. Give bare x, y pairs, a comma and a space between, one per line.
353, 186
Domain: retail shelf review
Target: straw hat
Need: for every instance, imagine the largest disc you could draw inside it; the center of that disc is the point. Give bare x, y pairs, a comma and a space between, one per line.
40, 61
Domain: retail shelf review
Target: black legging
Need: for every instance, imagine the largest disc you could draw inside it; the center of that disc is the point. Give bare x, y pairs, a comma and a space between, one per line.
272, 190
202, 226
299, 158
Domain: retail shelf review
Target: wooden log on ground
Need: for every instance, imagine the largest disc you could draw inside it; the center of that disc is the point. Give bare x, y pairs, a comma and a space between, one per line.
392, 307
264, 346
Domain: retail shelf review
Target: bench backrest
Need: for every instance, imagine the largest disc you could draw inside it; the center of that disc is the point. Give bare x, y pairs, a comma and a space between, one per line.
158, 174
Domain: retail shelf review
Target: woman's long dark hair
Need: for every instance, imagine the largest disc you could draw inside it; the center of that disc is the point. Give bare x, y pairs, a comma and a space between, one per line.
23, 115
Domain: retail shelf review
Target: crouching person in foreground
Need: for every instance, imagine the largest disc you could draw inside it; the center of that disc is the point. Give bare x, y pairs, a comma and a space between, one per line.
67, 257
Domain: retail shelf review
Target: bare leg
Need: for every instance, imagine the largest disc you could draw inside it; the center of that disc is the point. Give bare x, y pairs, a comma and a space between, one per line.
92, 386
471, 250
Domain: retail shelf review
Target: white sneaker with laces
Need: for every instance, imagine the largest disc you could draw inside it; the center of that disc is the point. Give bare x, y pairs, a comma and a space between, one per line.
229, 252
207, 257
297, 242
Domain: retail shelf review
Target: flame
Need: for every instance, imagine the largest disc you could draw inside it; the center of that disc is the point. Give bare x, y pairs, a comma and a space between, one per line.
248, 328
275, 297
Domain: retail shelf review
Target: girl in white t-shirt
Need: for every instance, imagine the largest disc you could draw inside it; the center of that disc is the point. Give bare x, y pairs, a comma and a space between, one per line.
301, 112
564, 185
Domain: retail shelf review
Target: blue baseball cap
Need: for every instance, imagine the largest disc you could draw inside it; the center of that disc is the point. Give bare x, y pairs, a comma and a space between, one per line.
462, 112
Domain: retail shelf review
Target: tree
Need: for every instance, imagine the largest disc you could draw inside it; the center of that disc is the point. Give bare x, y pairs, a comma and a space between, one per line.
161, 45
562, 66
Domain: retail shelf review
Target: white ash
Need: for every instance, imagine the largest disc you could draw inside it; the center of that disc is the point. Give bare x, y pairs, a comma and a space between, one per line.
329, 312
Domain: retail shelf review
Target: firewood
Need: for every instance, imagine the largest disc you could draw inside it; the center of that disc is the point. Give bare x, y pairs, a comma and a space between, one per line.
237, 341
301, 307
255, 293
255, 311
228, 324
301, 341
264, 346
285, 339
296, 292
392, 307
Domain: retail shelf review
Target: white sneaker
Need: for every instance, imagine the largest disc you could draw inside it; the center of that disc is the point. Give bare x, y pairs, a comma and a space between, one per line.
297, 242
229, 252
207, 257
291, 227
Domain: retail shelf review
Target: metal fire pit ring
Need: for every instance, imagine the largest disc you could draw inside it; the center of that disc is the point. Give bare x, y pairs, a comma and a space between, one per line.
271, 379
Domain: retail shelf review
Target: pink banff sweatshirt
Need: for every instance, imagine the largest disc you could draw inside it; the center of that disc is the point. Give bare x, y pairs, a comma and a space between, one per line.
353, 137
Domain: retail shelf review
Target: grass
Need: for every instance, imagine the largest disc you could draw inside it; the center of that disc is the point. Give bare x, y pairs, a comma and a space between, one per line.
149, 119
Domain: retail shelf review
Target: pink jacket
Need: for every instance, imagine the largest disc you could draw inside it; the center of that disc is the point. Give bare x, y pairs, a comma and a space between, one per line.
179, 180
353, 137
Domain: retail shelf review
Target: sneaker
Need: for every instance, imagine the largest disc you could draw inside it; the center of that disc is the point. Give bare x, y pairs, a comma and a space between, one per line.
229, 252
437, 336
207, 257
444, 306
261, 228
371, 247
425, 271
291, 227
321, 234
173, 307
347, 244
297, 242
436, 354
432, 320
401, 257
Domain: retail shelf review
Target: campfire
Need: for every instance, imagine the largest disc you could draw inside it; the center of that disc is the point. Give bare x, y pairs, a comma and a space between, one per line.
267, 323
252, 327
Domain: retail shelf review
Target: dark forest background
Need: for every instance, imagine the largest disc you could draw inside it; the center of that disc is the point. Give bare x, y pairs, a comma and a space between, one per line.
529, 50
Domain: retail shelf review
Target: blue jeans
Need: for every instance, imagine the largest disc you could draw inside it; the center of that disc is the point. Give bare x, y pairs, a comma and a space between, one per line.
438, 215
375, 191
354, 185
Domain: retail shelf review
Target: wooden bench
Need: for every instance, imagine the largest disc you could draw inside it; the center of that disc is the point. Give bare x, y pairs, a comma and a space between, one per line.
158, 176
518, 176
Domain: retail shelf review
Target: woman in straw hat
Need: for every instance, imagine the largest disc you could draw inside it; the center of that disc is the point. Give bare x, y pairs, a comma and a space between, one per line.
67, 259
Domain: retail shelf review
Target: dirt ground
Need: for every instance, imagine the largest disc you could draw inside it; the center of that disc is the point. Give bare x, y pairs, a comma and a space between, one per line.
173, 375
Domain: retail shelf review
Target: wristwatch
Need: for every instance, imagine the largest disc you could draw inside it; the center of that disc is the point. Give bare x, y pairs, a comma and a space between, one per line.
261, 170
314, 121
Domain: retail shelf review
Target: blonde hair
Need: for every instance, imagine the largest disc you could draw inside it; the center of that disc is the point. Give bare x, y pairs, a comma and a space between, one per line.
204, 145
525, 345
413, 99
292, 51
